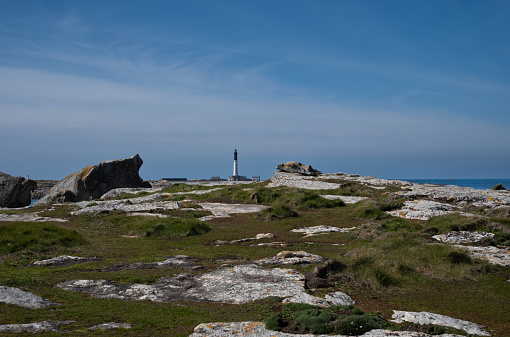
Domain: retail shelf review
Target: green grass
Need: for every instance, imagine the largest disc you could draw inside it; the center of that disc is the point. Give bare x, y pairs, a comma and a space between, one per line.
34, 236
389, 262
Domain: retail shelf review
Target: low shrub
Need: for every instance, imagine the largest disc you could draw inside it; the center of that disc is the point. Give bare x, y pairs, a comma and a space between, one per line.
396, 224
459, 258
316, 321
279, 212
177, 226
274, 322
357, 325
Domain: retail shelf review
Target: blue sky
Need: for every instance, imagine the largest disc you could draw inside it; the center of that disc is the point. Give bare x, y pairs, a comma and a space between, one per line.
393, 89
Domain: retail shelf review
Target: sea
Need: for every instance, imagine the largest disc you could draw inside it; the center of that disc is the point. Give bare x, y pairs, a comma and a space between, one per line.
479, 184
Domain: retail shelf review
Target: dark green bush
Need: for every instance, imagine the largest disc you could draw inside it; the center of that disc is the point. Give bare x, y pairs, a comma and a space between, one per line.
435, 330
168, 227
315, 320
357, 325
459, 258
280, 212
313, 200
371, 212
274, 322
292, 310
396, 224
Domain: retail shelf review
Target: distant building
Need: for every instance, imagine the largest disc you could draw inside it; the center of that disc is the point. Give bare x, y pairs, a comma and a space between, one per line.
236, 176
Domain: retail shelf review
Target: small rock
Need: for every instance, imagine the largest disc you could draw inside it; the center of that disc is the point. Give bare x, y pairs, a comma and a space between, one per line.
293, 167
290, 258
65, 260
316, 230
110, 326
339, 298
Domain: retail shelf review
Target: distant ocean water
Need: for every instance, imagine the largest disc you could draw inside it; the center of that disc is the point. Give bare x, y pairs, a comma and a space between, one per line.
479, 184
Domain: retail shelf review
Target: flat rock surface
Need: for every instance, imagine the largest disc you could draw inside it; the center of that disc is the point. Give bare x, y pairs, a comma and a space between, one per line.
463, 236
345, 198
178, 261
239, 284
336, 298
493, 255
23, 298
220, 210
424, 210
458, 195
110, 326
28, 217
290, 258
43, 326
299, 181
65, 260
238, 329
257, 237
424, 318
316, 230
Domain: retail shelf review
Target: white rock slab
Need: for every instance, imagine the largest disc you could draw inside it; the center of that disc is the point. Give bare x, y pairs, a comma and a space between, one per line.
291, 258
345, 198
258, 329
28, 217
424, 210
491, 254
64, 259
463, 236
43, 326
298, 181
317, 230
220, 210
23, 298
110, 326
425, 317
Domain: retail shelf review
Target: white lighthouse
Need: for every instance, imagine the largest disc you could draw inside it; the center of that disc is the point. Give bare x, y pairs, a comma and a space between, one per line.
236, 172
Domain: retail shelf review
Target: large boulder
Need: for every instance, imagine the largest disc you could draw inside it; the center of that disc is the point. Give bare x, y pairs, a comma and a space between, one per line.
15, 191
293, 167
94, 181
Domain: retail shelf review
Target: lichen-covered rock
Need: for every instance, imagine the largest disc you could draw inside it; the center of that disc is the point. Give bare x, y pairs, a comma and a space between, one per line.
15, 191
44, 326
258, 329
293, 167
290, 258
94, 181
437, 319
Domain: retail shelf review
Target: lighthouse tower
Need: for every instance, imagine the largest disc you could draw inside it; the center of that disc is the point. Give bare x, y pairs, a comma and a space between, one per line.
236, 173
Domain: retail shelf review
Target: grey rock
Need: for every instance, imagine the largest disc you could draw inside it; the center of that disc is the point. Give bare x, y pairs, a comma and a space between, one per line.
110, 326
28, 217
94, 181
321, 229
220, 210
339, 298
15, 191
424, 210
65, 260
239, 284
22, 298
294, 167
258, 329
431, 318
44, 326
346, 199
463, 236
490, 254
291, 258
299, 181
178, 261
461, 196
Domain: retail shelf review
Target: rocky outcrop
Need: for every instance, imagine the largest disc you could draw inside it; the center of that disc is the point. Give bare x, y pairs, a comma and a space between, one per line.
258, 329
15, 191
293, 167
94, 181
431, 318
44, 326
